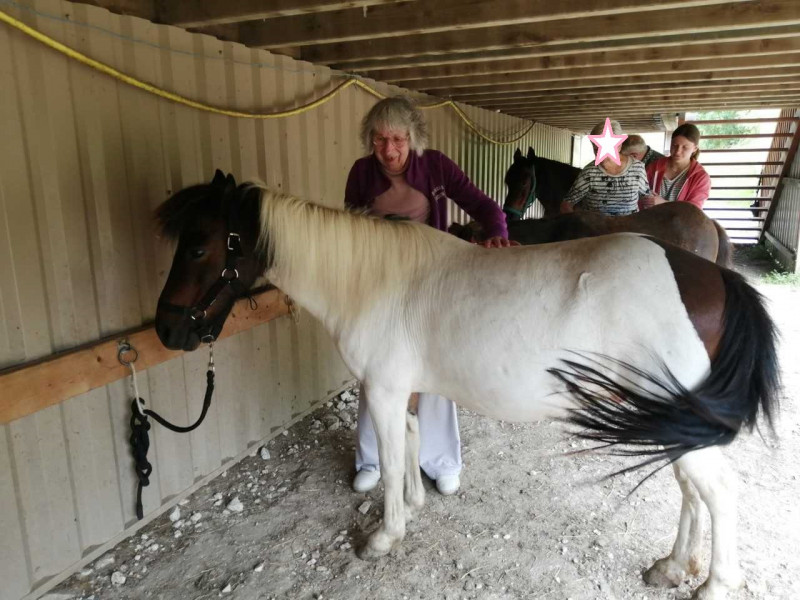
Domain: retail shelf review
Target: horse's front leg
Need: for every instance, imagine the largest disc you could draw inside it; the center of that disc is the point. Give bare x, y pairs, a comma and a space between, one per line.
387, 409
414, 492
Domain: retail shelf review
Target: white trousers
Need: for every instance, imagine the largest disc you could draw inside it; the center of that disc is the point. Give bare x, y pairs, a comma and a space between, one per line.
439, 442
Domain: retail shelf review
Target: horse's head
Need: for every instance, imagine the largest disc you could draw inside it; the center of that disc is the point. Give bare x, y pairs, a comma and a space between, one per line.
471, 232
216, 226
521, 183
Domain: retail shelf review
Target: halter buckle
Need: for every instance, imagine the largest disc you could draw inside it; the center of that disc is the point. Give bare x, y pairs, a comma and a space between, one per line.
198, 314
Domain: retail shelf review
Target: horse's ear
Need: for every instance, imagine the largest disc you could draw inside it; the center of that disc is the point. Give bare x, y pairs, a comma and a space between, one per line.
219, 178
230, 185
531, 153
517, 155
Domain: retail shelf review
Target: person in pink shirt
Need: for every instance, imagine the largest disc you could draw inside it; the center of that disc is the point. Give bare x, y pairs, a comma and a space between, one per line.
401, 178
679, 177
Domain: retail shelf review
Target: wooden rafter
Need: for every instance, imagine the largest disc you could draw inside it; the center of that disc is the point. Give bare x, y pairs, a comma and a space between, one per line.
651, 24
442, 16
540, 62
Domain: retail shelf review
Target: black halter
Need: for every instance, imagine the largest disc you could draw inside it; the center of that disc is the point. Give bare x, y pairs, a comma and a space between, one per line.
209, 330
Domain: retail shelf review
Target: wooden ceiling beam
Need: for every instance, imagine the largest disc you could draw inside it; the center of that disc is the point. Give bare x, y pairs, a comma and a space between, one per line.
449, 86
597, 115
645, 92
202, 13
668, 104
649, 24
389, 21
760, 47
368, 65
610, 100
517, 90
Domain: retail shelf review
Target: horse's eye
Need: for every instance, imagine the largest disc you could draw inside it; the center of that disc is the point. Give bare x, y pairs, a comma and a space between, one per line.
196, 253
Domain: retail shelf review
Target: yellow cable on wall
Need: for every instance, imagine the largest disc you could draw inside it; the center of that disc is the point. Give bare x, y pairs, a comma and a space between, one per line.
112, 72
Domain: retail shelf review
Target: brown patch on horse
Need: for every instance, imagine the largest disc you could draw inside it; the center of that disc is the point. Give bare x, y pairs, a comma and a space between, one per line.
702, 292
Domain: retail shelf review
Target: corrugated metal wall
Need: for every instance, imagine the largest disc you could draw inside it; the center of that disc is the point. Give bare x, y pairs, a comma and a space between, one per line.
84, 161
785, 224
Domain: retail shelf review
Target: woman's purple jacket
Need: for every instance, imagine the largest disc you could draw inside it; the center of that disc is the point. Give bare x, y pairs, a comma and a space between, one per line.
437, 178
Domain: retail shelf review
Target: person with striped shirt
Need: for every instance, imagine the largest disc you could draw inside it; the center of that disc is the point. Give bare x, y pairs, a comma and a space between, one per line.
609, 188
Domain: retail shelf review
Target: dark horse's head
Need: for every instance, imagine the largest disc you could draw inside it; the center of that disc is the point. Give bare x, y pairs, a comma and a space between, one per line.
216, 226
521, 183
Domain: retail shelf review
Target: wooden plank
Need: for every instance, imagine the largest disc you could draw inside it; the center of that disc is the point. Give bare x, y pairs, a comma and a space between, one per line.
32, 387
558, 81
648, 24
450, 85
754, 120
209, 12
737, 136
448, 15
611, 96
785, 170
539, 60
715, 151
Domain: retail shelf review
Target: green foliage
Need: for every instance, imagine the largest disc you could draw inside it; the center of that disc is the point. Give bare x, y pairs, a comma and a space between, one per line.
723, 128
782, 278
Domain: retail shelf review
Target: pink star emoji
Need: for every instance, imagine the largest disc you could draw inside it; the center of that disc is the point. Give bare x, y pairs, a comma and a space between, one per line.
608, 144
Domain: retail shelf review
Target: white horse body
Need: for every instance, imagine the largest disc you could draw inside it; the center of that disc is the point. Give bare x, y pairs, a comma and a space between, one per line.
482, 326
412, 309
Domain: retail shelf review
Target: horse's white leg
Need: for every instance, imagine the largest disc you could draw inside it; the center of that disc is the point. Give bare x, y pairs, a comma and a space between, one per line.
387, 409
718, 487
414, 490
684, 559
716, 484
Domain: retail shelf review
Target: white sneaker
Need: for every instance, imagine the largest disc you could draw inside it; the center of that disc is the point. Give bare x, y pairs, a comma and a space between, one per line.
448, 484
365, 481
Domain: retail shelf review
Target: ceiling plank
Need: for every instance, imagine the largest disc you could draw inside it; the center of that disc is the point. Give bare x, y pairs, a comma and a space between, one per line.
435, 17
760, 47
598, 116
699, 19
667, 101
754, 33
199, 13
448, 85
516, 90
592, 95
603, 100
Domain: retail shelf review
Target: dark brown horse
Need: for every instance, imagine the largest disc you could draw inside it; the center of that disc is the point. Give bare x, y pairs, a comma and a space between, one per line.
636, 342
532, 178
678, 223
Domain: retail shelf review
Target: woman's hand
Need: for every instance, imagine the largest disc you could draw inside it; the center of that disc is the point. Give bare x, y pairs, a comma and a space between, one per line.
652, 200
499, 242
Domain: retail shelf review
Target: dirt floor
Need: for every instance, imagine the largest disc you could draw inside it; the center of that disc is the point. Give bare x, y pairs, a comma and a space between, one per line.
529, 521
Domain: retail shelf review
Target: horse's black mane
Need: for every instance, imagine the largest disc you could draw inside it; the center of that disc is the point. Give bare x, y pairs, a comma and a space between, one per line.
172, 215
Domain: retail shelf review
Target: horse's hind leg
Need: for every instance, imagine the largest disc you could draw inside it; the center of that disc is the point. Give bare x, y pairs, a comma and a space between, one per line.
414, 490
684, 559
387, 408
716, 485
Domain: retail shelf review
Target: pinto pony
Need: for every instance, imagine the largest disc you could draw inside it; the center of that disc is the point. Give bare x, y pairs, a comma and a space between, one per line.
645, 347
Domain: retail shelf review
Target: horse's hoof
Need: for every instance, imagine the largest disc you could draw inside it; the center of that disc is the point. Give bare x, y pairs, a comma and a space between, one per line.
714, 589
378, 544
665, 573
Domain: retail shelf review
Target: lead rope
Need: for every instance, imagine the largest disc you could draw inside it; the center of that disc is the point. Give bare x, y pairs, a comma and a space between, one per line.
140, 426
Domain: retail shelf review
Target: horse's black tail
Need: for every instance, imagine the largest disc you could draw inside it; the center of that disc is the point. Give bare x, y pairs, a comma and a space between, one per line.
724, 247
672, 420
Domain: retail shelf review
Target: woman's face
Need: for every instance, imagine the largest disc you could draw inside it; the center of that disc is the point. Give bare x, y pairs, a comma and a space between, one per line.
390, 146
681, 148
